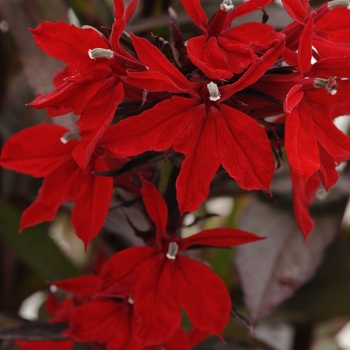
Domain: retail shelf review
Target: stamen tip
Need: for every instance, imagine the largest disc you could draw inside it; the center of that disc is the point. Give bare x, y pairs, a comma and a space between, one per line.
227, 6
338, 3
70, 135
63, 140
214, 93
100, 53
172, 250
91, 55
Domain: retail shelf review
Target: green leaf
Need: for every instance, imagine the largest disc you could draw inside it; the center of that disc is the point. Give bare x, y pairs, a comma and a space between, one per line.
34, 246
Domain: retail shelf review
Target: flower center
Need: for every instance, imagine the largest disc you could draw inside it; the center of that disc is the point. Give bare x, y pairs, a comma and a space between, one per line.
329, 84
100, 53
70, 135
214, 93
338, 3
226, 5
172, 250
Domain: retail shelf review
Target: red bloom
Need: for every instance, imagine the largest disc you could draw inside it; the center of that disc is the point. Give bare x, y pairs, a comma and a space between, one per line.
113, 322
221, 51
161, 281
61, 311
107, 321
309, 124
38, 151
202, 127
312, 98
331, 34
94, 91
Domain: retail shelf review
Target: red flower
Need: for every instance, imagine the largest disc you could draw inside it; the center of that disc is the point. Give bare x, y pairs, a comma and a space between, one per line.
108, 321
201, 126
38, 151
313, 96
61, 311
221, 51
112, 322
331, 33
94, 91
309, 123
161, 281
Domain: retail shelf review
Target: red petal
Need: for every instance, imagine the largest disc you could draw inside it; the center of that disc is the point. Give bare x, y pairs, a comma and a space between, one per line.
240, 43
208, 56
256, 70
52, 194
105, 321
334, 141
305, 46
158, 314
155, 129
329, 105
96, 118
82, 285
303, 194
292, 99
92, 204
178, 341
332, 66
195, 11
334, 26
124, 273
156, 208
327, 49
96, 98
156, 61
118, 24
297, 9
69, 43
37, 150
199, 145
129, 10
300, 142
219, 237
246, 8
153, 81
202, 294
290, 56
196, 336
328, 173
244, 149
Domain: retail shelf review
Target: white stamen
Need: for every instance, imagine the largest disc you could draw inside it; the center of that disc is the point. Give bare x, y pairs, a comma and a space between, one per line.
227, 5
330, 84
338, 3
213, 91
131, 299
100, 53
70, 136
172, 250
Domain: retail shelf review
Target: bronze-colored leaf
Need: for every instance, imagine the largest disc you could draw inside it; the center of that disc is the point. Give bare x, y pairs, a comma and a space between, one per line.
271, 270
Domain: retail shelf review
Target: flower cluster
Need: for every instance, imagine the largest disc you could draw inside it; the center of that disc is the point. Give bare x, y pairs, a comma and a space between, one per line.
232, 98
